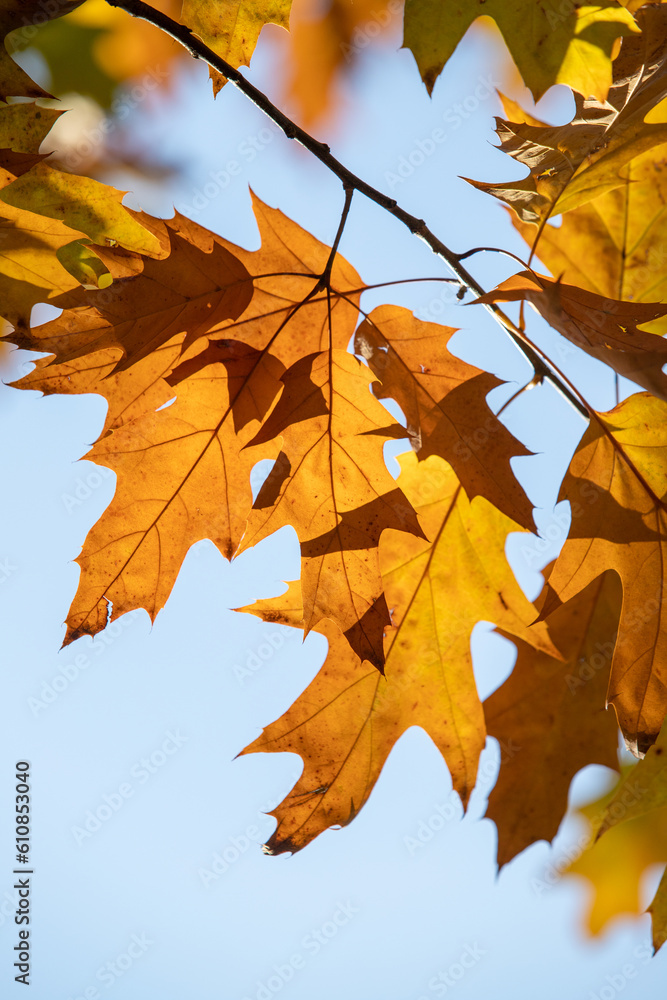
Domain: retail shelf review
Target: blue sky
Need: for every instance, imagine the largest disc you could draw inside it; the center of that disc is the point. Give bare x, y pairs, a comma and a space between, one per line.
170, 895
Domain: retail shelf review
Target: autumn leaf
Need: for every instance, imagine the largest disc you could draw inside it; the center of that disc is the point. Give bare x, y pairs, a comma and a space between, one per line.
14, 82
614, 245
556, 718
183, 475
615, 865
23, 127
642, 790
168, 327
444, 402
607, 329
231, 27
84, 265
195, 285
44, 213
336, 491
616, 488
212, 357
550, 42
82, 203
572, 164
286, 313
658, 911
129, 393
30, 271
324, 44
347, 721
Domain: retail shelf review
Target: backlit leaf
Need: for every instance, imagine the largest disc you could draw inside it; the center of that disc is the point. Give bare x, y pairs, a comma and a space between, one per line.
616, 487
607, 329
346, 722
444, 402
338, 496
552, 714
572, 164
550, 42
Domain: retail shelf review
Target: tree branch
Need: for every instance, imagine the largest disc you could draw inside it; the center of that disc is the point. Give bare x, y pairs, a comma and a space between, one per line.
199, 50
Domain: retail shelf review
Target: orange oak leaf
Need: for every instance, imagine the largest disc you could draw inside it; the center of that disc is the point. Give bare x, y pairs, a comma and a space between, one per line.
183, 475
554, 713
332, 485
282, 315
165, 329
129, 393
347, 721
444, 403
194, 284
607, 329
616, 487
574, 163
287, 314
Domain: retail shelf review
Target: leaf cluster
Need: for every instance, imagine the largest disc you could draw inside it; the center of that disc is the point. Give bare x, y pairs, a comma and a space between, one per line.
213, 358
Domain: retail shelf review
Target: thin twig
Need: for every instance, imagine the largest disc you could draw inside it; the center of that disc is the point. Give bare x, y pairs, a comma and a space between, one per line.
325, 280
507, 253
199, 50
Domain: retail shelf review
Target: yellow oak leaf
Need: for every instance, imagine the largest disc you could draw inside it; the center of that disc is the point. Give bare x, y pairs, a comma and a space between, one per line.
572, 164
231, 27
550, 42
614, 865
347, 721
